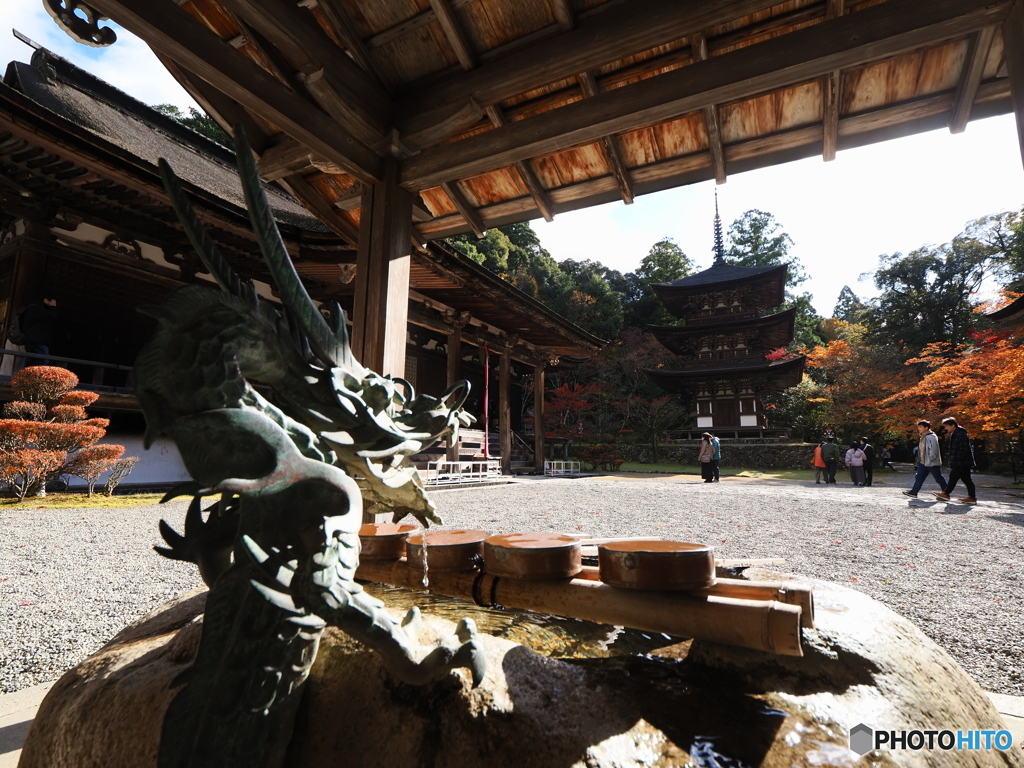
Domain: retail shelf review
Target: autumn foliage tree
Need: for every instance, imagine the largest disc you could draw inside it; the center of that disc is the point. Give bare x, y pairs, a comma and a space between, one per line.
46, 433
982, 382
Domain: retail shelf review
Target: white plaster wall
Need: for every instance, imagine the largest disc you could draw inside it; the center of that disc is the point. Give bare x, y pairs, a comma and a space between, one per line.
161, 464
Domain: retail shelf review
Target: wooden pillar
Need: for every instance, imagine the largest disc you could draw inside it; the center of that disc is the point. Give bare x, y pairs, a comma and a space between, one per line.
458, 322
381, 311
538, 417
1013, 51
505, 408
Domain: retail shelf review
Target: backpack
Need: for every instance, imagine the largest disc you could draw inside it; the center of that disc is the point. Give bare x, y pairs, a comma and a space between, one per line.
14, 333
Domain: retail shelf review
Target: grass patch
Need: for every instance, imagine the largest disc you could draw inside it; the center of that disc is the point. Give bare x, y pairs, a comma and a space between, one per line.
693, 469
82, 501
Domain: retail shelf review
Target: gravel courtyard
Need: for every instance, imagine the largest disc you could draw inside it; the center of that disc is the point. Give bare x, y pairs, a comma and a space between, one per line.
70, 579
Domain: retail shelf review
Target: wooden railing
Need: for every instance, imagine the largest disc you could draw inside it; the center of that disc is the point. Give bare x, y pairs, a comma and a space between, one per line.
97, 367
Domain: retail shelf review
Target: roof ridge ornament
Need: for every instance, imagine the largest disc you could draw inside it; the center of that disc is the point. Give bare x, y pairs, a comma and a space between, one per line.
81, 22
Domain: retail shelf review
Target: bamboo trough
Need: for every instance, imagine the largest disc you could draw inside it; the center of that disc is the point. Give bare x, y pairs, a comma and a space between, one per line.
747, 614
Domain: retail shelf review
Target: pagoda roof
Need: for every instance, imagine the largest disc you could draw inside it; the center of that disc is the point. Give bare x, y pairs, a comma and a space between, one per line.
768, 287
765, 374
1009, 316
776, 330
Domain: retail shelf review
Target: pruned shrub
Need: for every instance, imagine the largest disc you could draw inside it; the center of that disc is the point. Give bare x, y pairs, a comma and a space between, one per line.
67, 414
79, 397
43, 383
92, 461
24, 410
47, 434
121, 469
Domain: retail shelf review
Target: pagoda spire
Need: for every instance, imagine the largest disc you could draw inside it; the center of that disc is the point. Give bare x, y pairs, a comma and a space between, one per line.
719, 244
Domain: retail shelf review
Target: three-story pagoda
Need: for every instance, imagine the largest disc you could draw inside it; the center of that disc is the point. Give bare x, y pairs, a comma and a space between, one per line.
727, 342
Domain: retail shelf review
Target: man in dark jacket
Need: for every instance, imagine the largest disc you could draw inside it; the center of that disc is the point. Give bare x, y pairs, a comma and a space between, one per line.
830, 454
961, 462
869, 460
39, 327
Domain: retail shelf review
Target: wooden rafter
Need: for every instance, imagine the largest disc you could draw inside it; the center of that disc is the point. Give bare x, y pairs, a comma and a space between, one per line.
970, 78
878, 31
343, 25
563, 14
463, 206
1013, 37
927, 113
609, 144
298, 35
454, 33
414, 22
533, 185
699, 46
184, 40
620, 31
831, 84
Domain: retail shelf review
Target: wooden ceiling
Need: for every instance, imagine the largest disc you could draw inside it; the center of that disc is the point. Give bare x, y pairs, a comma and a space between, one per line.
504, 110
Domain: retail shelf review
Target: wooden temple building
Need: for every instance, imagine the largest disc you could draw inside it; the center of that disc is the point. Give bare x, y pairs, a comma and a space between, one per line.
725, 342
84, 218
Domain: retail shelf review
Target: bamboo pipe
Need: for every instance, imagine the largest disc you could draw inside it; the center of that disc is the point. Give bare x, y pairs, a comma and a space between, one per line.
764, 625
783, 592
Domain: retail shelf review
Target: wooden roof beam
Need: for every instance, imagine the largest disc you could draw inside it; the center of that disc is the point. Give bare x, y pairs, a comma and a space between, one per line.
610, 35
967, 89
609, 144
699, 46
179, 37
882, 30
463, 206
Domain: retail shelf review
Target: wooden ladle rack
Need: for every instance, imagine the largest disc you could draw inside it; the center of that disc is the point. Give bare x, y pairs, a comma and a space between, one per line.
544, 572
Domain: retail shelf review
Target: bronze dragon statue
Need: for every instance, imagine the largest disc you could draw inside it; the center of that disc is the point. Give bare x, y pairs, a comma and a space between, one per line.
274, 418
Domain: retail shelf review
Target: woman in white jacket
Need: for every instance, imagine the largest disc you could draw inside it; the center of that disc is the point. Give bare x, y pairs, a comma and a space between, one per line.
855, 459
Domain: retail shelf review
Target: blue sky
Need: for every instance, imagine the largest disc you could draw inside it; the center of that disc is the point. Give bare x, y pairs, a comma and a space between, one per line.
886, 198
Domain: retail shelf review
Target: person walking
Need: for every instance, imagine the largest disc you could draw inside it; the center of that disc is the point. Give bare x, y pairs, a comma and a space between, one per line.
716, 458
869, 461
961, 462
887, 458
830, 454
929, 459
819, 465
855, 462
704, 458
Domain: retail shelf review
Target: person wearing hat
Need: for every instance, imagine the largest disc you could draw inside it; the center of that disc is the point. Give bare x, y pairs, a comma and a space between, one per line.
705, 458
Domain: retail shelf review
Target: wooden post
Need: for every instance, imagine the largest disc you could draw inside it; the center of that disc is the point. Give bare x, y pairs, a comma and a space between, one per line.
458, 322
505, 407
1013, 51
538, 417
381, 310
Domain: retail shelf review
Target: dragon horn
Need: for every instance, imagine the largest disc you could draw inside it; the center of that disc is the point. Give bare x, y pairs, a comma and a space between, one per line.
293, 295
196, 232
